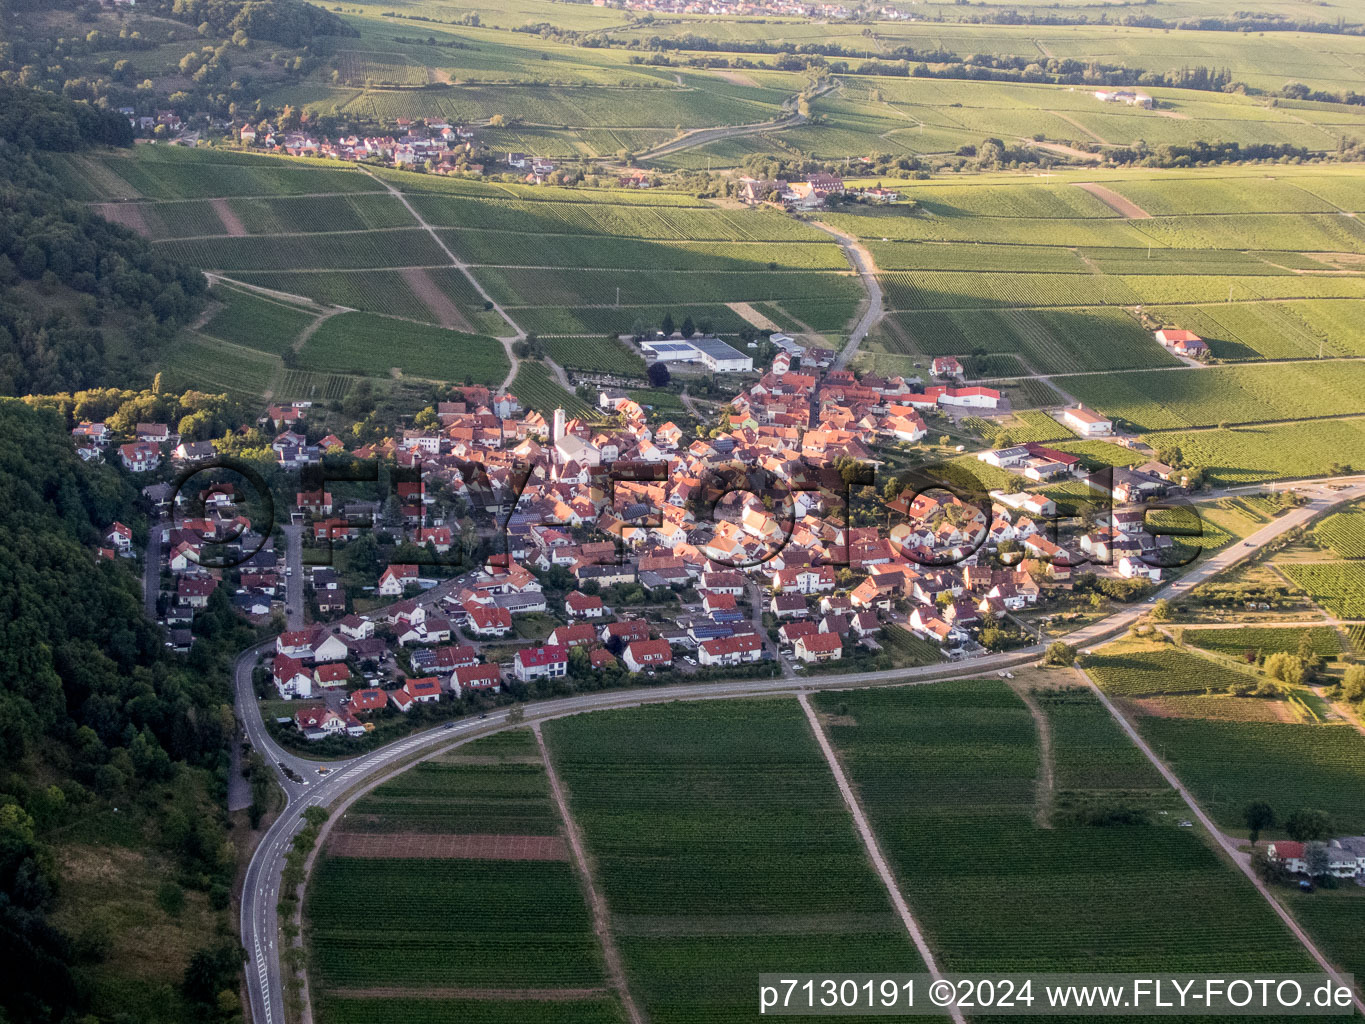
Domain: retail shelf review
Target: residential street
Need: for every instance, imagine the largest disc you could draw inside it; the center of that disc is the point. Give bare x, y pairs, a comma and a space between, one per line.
258, 914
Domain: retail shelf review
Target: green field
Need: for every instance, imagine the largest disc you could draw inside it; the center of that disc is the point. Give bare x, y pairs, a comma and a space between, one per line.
1248, 455
207, 365
375, 922
535, 386
365, 344
257, 322
1229, 764
1337, 586
604, 355
948, 775
1343, 533
1322, 640
721, 846
1146, 673
1172, 400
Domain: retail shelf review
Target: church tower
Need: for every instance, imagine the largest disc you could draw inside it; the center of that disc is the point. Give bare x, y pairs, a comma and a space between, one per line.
557, 433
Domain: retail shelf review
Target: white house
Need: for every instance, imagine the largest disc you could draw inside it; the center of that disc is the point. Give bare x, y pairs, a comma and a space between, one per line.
395, 579
730, 650
548, 662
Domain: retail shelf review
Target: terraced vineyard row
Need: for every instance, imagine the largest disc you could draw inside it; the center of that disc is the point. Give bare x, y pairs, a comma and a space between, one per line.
368, 250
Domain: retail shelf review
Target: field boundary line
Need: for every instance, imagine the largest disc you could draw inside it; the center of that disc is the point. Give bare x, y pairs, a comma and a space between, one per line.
601, 917
873, 848
1224, 843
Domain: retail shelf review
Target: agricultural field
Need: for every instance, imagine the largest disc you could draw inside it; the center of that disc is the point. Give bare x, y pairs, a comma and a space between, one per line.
1322, 640
1046, 340
1343, 533
722, 845
1248, 455
1337, 586
257, 321
370, 345
603, 355
1168, 400
206, 364
1229, 764
1133, 672
465, 853
536, 388
949, 777
1021, 428
1243, 515
907, 649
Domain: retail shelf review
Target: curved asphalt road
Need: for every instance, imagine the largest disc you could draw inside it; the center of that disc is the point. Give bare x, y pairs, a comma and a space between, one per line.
260, 892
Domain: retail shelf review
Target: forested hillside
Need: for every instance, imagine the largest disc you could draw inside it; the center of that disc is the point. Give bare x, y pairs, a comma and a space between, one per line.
83, 302
95, 716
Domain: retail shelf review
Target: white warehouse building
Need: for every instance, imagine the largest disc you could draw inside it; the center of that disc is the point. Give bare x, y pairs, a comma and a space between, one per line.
712, 353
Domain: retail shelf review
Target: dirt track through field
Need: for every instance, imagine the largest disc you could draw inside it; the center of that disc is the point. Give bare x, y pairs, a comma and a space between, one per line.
232, 224
446, 312
601, 916
545, 995
1047, 785
127, 214
1116, 202
424, 846
874, 850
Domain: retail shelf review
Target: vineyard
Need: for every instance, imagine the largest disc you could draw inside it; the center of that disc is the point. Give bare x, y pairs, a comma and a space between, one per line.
1229, 764
1137, 672
1048, 340
257, 322
1344, 533
722, 845
367, 250
1021, 428
1252, 454
212, 366
974, 289
377, 922
948, 778
299, 385
527, 287
370, 345
536, 388
604, 355
1337, 586
1225, 394
600, 320
907, 649
207, 177
1322, 640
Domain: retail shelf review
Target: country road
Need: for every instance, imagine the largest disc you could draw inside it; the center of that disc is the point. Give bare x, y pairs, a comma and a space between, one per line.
259, 924
701, 136
861, 260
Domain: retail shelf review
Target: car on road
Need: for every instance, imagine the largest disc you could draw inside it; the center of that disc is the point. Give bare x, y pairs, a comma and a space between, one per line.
448, 725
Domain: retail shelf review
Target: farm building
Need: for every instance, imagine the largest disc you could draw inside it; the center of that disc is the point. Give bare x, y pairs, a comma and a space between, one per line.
1185, 343
1087, 423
